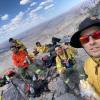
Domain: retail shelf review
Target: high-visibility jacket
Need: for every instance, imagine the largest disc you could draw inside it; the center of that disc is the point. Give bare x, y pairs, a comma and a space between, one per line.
59, 66
70, 54
93, 78
19, 59
42, 49
18, 44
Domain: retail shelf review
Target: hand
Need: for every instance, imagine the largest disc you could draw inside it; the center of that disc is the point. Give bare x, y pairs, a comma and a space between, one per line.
65, 61
89, 98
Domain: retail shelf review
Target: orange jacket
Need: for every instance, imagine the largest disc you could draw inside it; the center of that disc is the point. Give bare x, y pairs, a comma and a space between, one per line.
19, 59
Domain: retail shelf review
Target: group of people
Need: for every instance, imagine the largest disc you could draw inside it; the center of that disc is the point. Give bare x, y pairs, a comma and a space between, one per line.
22, 59
63, 56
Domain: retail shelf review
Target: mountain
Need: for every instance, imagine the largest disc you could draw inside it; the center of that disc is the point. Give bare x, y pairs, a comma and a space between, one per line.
64, 24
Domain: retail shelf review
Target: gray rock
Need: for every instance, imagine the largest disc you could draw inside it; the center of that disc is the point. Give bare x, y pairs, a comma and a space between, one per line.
58, 86
12, 94
66, 96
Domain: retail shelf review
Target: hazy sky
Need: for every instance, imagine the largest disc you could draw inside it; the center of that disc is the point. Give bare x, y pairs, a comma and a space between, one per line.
17, 16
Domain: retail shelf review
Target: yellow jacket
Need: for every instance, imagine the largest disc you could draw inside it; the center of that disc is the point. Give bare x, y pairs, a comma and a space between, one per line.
59, 66
20, 44
70, 52
31, 55
42, 49
93, 79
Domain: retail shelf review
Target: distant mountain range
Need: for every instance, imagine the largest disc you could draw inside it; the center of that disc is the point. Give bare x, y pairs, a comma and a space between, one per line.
63, 24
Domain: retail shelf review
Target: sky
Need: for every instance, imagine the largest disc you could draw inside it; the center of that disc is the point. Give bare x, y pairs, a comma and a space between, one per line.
17, 16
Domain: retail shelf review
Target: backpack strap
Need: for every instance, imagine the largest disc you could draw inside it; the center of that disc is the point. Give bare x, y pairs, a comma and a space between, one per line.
66, 55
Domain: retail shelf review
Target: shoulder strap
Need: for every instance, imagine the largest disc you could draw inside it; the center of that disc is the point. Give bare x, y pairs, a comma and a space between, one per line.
60, 58
66, 55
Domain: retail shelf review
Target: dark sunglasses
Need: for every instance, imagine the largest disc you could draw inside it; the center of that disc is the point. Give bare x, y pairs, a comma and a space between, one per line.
85, 39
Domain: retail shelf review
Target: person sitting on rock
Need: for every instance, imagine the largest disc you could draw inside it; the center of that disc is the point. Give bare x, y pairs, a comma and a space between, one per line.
17, 43
41, 48
21, 59
64, 58
60, 56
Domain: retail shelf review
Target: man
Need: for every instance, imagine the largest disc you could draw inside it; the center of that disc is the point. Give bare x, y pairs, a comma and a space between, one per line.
88, 38
67, 70
60, 56
17, 43
41, 48
62, 59
21, 59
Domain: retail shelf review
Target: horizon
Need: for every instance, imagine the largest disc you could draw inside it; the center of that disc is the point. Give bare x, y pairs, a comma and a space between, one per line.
26, 14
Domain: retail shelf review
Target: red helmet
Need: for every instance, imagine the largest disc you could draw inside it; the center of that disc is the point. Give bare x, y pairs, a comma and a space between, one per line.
10, 73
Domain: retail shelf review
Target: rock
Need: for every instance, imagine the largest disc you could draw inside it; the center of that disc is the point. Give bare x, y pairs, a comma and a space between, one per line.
66, 96
11, 93
58, 86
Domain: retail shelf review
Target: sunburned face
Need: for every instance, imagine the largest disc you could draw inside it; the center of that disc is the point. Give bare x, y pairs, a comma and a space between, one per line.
38, 45
92, 47
65, 46
59, 51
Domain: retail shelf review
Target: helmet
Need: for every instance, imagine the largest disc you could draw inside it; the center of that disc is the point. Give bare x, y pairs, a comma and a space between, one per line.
10, 73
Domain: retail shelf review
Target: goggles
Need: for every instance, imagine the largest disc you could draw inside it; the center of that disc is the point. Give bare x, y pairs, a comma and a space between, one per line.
85, 38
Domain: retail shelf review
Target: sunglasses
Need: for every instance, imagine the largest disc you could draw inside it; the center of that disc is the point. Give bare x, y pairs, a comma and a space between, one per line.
85, 39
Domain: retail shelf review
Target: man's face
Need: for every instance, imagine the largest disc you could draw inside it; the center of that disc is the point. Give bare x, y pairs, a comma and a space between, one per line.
65, 46
92, 47
38, 45
59, 50
15, 50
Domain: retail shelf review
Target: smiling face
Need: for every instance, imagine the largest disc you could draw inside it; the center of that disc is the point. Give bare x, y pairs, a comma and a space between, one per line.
59, 50
92, 47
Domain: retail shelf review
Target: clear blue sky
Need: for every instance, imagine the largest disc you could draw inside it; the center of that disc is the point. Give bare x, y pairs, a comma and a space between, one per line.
17, 16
